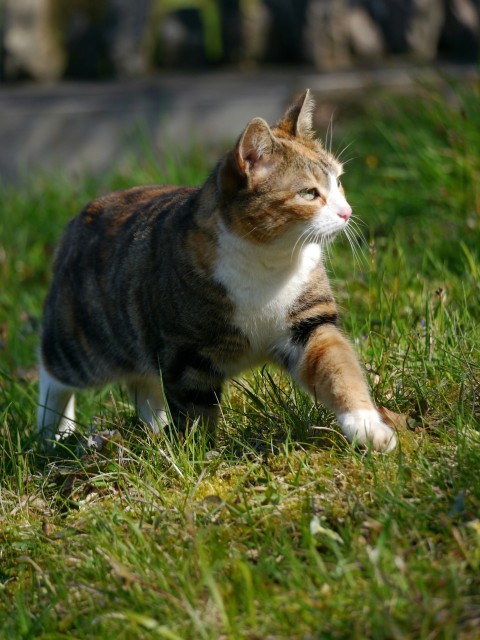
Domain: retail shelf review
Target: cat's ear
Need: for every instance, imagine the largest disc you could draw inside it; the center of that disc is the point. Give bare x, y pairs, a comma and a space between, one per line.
297, 120
254, 148
251, 160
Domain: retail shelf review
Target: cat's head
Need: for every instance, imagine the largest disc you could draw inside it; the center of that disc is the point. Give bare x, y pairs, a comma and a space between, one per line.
280, 182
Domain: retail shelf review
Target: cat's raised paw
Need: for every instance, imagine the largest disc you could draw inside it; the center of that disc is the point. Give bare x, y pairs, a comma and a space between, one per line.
366, 427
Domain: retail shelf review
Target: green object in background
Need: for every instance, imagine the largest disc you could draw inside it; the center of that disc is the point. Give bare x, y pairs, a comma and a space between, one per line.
210, 16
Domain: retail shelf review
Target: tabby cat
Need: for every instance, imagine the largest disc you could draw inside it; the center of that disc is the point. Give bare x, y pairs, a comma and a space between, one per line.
172, 290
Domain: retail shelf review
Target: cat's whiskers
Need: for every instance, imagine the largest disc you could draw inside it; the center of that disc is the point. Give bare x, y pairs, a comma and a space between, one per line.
348, 160
354, 219
339, 154
357, 232
304, 237
355, 245
353, 248
325, 249
313, 237
309, 238
245, 235
329, 134
300, 237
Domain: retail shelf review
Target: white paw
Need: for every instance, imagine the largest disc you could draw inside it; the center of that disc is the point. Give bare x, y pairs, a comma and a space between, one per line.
365, 426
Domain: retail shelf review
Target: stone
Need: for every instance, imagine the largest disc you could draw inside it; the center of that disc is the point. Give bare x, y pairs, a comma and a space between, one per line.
326, 34
392, 18
424, 29
128, 36
31, 48
82, 27
179, 40
256, 26
47, 40
366, 39
460, 38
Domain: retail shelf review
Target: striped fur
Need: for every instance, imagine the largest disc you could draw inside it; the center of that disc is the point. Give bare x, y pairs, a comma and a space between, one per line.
171, 290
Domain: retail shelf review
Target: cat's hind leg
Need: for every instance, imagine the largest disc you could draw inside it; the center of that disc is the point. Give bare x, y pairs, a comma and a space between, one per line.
147, 396
189, 405
56, 407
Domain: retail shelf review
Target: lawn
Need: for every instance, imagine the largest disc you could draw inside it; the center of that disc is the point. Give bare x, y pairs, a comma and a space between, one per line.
283, 530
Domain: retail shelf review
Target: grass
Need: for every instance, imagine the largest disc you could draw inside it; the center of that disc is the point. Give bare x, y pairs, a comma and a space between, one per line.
283, 531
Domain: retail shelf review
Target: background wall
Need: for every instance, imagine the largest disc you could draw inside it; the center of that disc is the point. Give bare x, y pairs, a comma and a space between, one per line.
48, 40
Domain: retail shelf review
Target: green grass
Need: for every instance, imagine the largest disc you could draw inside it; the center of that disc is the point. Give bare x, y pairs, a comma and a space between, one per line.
283, 531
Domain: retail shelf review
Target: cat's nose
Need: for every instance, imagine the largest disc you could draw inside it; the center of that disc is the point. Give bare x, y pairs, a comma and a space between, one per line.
345, 212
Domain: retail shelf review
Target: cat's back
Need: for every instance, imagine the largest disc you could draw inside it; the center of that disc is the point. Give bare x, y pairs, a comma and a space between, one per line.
127, 202
117, 223
123, 210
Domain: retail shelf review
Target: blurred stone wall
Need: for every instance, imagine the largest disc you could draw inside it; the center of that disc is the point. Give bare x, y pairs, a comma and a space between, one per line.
48, 40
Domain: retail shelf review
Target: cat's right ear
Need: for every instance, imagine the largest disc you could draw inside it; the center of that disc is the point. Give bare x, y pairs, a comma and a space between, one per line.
254, 149
250, 160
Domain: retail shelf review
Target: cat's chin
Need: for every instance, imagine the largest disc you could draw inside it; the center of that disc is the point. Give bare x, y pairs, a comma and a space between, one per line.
329, 233
328, 237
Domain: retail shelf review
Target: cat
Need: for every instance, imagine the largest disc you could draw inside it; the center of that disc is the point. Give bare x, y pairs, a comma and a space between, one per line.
171, 290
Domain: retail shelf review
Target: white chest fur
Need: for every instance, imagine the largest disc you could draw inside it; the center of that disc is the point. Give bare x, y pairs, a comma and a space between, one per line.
263, 282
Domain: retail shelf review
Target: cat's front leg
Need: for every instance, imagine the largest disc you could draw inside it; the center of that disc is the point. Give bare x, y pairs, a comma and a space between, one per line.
366, 425
188, 405
147, 395
329, 369
174, 403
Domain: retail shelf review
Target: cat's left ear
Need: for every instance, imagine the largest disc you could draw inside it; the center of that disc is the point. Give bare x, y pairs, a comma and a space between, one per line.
297, 120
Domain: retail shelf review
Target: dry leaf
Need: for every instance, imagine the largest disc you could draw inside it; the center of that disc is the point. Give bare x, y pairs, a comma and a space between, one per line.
398, 421
27, 374
317, 529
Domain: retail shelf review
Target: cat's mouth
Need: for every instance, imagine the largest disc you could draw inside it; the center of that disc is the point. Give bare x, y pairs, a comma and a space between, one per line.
327, 228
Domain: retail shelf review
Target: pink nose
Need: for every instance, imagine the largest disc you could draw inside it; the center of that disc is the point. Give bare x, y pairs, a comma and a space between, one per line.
345, 212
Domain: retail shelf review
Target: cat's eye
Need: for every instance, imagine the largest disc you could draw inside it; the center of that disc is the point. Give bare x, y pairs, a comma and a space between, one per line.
308, 194
339, 184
